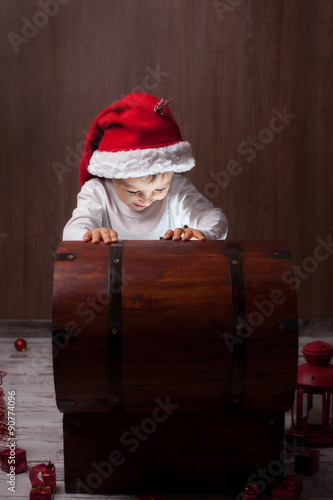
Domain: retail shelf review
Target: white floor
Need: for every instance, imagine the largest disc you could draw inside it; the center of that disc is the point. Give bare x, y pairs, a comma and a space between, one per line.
39, 423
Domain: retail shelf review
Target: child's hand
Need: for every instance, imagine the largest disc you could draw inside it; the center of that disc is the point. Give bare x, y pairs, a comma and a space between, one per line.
101, 233
184, 234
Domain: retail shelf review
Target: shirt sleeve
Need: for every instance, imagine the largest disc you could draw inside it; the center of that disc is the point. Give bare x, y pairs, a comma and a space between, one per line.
197, 212
88, 214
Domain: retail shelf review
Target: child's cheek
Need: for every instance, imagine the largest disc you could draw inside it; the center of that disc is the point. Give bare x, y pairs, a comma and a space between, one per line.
163, 195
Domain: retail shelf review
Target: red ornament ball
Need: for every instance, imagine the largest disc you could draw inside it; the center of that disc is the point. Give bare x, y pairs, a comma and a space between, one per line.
250, 492
20, 345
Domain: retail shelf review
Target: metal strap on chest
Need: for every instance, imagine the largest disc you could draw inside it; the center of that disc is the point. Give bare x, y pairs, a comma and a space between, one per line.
115, 283
238, 321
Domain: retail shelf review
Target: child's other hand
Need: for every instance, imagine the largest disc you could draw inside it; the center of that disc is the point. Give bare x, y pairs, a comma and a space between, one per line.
184, 234
101, 233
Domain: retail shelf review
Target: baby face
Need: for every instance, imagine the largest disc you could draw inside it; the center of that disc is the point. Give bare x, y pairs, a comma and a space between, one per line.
138, 194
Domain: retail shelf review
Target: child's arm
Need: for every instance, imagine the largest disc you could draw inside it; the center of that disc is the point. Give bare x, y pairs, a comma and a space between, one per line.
87, 222
193, 215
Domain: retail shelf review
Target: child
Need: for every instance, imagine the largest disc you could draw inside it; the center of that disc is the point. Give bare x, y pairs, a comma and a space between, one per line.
131, 187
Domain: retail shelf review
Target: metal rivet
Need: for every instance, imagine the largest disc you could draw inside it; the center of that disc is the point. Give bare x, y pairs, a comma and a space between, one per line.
234, 262
77, 423
235, 400
70, 256
114, 331
282, 324
271, 421
276, 254
115, 399
77, 483
68, 335
116, 261
239, 326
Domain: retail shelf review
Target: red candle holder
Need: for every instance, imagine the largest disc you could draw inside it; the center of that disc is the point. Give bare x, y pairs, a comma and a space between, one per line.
314, 396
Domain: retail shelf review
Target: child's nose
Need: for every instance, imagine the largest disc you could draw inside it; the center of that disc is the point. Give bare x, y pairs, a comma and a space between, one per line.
146, 199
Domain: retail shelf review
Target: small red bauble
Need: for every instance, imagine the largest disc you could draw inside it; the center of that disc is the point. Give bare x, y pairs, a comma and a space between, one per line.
250, 492
20, 345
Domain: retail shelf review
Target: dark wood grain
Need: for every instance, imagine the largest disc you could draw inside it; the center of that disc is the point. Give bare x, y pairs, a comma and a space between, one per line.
176, 329
207, 453
226, 73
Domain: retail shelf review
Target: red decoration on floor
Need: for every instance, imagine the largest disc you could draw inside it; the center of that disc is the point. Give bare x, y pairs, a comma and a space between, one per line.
13, 460
307, 461
295, 482
250, 492
21, 345
43, 475
41, 493
43, 481
312, 414
288, 489
6, 434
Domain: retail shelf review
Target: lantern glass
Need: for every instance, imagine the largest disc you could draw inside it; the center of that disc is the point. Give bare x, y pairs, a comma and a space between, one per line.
315, 411
306, 405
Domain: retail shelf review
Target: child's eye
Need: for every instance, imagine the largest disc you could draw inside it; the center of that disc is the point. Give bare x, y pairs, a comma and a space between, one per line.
133, 192
160, 190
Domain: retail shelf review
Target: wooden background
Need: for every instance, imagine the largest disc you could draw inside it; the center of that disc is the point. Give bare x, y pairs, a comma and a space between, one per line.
230, 66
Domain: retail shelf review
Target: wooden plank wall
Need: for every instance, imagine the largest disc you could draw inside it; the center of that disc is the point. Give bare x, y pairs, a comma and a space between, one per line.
251, 83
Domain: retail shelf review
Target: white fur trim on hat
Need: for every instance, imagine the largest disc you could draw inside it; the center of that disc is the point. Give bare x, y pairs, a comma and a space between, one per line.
141, 162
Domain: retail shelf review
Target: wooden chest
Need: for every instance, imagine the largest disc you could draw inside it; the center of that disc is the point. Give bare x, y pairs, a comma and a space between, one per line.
173, 363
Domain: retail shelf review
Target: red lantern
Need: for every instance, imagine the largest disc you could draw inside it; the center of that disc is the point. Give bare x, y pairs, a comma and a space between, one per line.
314, 396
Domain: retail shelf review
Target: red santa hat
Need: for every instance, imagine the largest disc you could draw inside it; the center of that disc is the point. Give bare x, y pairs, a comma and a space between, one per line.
134, 137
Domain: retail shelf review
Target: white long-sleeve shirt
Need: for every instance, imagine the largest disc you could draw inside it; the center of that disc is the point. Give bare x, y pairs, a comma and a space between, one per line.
99, 206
